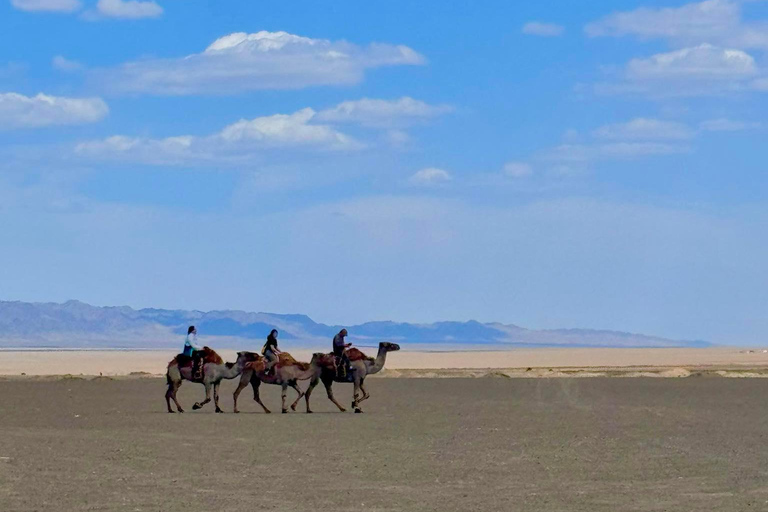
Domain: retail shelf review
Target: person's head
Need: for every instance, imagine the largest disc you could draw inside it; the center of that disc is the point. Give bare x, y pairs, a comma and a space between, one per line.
191, 330
343, 333
273, 333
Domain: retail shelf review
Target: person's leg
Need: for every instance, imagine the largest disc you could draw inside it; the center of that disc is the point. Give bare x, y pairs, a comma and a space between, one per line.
345, 362
197, 365
337, 361
271, 358
341, 363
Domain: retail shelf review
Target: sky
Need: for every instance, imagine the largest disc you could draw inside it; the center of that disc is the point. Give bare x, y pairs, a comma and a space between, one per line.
546, 164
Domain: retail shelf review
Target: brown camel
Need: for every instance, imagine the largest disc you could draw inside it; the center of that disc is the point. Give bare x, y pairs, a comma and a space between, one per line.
284, 373
214, 371
360, 367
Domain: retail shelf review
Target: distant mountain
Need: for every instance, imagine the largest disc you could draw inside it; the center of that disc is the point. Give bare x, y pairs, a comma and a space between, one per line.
75, 324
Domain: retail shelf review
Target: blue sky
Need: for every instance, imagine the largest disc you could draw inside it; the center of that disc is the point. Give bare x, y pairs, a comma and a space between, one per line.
549, 165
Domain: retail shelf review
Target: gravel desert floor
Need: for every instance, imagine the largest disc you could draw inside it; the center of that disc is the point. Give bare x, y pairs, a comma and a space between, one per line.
694, 444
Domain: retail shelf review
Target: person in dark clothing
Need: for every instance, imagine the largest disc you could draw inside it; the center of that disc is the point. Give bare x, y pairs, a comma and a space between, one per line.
340, 353
270, 351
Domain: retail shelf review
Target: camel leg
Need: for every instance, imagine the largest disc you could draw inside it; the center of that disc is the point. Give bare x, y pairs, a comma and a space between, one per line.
366, 396
244, 379
356, 399
199, 405
283, 392
299, 391
329, 391
171, 395
255, 383
216, 397
312, 385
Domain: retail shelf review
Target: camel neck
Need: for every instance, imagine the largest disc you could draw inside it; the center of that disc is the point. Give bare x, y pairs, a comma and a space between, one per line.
378, 364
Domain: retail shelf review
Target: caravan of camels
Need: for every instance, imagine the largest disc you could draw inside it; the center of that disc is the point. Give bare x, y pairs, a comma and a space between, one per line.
205, 366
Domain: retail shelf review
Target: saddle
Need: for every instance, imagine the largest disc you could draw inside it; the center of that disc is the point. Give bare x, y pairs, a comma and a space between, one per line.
354, 354
209, 356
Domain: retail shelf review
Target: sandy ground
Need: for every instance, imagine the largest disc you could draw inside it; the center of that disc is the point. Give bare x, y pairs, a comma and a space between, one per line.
587, 361
599, 444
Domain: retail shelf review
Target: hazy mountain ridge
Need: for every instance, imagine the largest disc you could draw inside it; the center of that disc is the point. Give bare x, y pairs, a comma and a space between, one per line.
75, 324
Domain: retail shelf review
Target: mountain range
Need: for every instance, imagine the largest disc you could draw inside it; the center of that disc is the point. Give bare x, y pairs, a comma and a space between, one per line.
75, 324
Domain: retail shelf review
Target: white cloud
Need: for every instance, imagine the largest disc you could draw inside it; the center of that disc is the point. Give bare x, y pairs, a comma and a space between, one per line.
536, 28
235, 143
383, 113
397, 138
264, 60
64, 64
286, 130
727, 125
584, 153
713, 21
696, 71
645, 129
19, 111
128, 9
47, 5
691, 21
517, 169
430, 176
703, 61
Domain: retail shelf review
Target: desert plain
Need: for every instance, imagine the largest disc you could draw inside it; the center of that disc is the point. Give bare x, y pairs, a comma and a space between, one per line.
487, 439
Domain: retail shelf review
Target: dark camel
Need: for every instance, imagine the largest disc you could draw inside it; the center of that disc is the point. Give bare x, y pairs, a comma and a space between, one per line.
360, 367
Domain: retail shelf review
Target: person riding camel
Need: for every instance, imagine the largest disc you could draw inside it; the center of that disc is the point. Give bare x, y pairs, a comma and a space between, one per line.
195, 351
340, 353
270, 351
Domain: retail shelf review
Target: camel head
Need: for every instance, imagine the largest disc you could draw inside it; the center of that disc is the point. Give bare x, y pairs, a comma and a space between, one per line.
389, 347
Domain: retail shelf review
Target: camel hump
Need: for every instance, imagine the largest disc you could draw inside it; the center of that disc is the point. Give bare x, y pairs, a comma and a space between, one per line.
286, 359
210, 356
356, 355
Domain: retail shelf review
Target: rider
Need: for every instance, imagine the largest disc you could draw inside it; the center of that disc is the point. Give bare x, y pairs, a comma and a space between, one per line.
270, 351
195, 351
340, 353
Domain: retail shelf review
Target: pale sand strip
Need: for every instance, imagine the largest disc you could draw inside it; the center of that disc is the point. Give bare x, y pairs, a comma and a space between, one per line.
562, 362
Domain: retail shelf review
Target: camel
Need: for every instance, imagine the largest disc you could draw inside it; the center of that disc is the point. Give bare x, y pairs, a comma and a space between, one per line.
214, 371
285, 373
360, 367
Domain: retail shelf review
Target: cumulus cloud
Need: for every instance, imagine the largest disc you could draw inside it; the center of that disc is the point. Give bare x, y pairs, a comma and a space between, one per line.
637, 138
517, 169
64, 64
645, 129
703, 61
264, 60
727, 125
429, 177
536, 28
700, 70
713, 21
47, 5
234, 143
19, 111
584, 153
383, 113
128, 9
